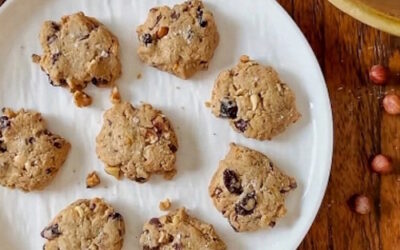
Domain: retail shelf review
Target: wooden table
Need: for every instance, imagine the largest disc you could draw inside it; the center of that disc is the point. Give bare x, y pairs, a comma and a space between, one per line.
346, 49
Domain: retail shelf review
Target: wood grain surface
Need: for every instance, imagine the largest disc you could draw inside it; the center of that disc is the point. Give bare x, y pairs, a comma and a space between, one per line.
346, 49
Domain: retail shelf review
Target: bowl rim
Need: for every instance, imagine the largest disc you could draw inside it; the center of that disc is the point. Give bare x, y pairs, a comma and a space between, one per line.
369, 15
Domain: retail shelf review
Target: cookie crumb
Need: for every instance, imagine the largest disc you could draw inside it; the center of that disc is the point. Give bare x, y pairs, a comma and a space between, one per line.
81, 99
35, 58
115, 96
92, 180
244, 59
114, 171
165, 205
139, 76
208, 104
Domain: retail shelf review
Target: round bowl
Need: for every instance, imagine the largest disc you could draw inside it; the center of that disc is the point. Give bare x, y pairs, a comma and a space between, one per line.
381, 14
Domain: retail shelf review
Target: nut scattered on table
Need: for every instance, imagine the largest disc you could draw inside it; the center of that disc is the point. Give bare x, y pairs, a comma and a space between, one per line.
379, 74
382, 164
81, 99
115, 96
165, 205
360, 204
391, 104
92, 180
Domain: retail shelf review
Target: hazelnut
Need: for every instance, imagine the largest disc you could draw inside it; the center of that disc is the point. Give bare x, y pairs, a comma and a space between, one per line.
360, 204
114, 171
92, 180
165, 205
382, 164
163, 31
391, 104
81, 99
379, 74
115, 96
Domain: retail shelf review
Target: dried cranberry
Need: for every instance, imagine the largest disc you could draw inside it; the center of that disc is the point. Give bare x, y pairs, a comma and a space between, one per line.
51, 232
247, 205
241, 125
228, 108
156, 222
55, 26
147, 38
4, 122
232, 182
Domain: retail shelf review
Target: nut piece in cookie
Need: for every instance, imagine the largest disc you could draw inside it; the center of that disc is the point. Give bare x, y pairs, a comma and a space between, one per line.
92, 180
85, 224
179, 230
180, 40
77, 51
254, 100
136, 142
30, 155
249, 190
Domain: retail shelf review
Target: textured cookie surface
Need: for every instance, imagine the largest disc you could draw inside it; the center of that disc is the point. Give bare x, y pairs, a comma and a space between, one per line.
178, 230
181, 40
77, 51
254, 99
85, 224
137, 142
249, 190
30, 155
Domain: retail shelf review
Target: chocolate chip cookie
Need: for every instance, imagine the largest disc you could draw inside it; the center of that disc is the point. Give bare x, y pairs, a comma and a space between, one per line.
249, 190
30, 155
178, 230
181, 40
254, 100
77, 51
136, 142
85, 224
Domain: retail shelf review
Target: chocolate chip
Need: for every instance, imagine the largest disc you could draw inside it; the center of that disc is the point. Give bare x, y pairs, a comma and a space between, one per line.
49, 170
247, 205
31, 140
115, 216
173, 148
4, 122
272, 223
232, 182
140, 179
92, 206
241, 125
156, 222
63, 82
228, 108
54, 57
55, 26
217, 191
99, 81
109, 122
48, 133
51, 232
84, 37
178, 246
57, 145
147, 38
175, 15
203, 23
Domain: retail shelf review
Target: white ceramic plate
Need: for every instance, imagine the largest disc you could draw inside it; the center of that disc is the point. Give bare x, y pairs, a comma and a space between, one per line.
259, 28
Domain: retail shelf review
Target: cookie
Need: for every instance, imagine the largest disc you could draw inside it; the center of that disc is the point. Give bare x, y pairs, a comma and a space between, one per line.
85, 224
181, 40
255, 101
77, 51
30, 155
249, 190
136, 142
178, 230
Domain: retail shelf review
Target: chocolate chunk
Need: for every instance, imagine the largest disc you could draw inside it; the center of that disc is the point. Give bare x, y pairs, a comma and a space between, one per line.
51, 232
4, 122
55, 26
115, 216
99, 81
247, 205
175, 15
272, 223
228, 108
49, 170
173, 148
140, 179
147, 38
54, 57
156, 222
241, 125
57, 145
232, 182
203, 23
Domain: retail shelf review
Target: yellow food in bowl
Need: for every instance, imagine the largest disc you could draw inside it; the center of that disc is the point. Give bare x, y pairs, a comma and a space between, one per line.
381, 14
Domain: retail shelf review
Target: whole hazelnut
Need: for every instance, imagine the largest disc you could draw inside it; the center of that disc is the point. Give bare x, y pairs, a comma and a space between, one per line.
391, 104
360, 204
379, 74
382, 164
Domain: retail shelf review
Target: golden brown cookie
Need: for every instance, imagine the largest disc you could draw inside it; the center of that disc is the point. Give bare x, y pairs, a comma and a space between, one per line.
181, 40
254, 100
178, 230
77, 51
249, 190
136, 142
30, 155
85, 224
